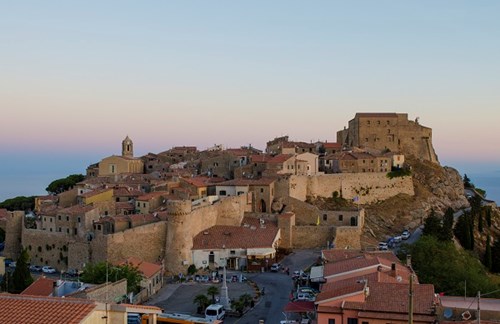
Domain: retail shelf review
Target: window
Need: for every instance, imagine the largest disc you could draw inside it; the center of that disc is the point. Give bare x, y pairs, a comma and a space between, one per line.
366, 139
232, 252
331, 321
222, 193
67, 231
59, 217
67, 218
144, 205
50, 219
378, 122
261, 190
351, 320
59, 229
341, 218
75, 231
325, 217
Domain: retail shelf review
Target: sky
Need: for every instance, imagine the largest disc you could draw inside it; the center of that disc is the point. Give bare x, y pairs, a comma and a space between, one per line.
77, 77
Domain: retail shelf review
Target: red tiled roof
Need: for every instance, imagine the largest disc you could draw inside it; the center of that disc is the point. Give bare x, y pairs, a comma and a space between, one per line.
393, 297
299, 306
95, 192
34, 309
332, 145
147, 268
126, 192
249, 235
41, 287
354, 264
152, 195
280, 158
202, 181
76, 210
261, 158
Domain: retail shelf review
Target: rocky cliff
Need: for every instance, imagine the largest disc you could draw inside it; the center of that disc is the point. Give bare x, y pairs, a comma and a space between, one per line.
435, 187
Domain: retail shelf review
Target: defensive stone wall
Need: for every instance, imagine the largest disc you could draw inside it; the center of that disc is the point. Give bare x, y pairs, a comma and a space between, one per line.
46, 248
13, 231
183, 226
347, 237
308, 237
145, 242
366, 187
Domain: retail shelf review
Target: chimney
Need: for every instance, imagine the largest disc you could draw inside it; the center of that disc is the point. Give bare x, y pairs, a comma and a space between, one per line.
393, 270
408, 260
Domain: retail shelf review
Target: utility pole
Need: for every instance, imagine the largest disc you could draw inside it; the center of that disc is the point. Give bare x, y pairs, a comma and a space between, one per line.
410, 302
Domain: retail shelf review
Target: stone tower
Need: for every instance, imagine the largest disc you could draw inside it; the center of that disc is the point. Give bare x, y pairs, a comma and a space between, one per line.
127, 147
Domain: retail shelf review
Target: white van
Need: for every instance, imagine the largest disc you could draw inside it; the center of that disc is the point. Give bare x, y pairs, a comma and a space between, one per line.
215, 312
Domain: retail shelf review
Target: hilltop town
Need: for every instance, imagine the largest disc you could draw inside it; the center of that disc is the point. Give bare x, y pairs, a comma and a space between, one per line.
244, 209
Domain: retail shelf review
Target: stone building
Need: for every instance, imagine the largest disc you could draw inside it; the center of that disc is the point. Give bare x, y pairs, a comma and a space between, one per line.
126, 163
388, 131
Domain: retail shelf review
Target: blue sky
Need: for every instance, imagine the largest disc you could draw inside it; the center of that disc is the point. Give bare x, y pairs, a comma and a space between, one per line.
76, 78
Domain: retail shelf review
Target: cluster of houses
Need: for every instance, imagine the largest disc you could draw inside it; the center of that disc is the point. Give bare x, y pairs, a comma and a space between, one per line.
376, 287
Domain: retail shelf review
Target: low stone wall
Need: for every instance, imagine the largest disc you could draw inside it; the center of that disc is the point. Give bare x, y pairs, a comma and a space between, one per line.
347, 237
308, 237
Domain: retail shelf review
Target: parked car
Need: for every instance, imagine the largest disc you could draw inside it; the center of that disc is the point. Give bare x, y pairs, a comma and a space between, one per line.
204, 278
48, 269
296, 274
382, 246
73, 273
35, 268
397, 239
405, 235
306, 296
275, 267
308, 290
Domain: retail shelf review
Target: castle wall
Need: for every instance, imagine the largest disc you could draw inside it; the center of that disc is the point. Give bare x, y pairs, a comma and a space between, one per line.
308, 237
347, 237
13, 231
367, 187
184, 224
145, 242
46, 248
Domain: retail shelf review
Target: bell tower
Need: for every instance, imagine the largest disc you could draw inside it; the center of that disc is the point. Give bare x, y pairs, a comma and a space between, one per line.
127, 147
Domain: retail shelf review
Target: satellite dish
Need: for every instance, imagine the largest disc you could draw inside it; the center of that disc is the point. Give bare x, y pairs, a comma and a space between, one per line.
448, 313
399, 278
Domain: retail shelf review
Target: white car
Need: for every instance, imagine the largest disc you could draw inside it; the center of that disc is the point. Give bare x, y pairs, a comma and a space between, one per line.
405, 235
382, 246
397, 239
48, 269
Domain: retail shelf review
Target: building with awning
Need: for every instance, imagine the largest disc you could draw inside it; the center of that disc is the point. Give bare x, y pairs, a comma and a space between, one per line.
253, 245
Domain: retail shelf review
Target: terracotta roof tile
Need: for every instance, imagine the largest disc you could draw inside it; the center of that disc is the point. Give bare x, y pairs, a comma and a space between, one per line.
281, 158
249, 235
152, 195
76, 210
35, 309
147, 268
41, 287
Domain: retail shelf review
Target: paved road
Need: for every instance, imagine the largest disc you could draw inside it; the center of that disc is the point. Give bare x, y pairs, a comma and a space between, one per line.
278, 286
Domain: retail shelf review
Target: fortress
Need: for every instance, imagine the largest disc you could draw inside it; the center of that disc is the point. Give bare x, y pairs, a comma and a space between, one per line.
388, 131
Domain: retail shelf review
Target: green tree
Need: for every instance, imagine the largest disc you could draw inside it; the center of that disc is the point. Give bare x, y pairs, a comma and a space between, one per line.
202, 301
462, 231
441, 264
488, 216
212, 291
467, 183
97, 273
447, 228
192, 269
63, 184
487, 254
432, 225
19, 203
495, 257
21, 278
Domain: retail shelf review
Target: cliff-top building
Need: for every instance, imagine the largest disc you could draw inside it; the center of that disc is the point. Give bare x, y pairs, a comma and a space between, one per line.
388, 131
126, 163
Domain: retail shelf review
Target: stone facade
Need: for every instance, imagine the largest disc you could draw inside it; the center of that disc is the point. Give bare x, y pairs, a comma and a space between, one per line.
367, 187
13, 229
391, 131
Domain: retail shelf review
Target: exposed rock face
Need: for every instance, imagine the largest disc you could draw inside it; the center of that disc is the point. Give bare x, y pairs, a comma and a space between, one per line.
436, 188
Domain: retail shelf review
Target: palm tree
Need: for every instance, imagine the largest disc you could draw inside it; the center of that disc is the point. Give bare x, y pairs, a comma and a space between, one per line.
213, 290
202, 302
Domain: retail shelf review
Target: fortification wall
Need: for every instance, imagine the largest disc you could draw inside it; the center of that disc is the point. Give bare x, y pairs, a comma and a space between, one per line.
13, 232
368, 187
145, 242
183, 224
347, 237
46, 248
308, 237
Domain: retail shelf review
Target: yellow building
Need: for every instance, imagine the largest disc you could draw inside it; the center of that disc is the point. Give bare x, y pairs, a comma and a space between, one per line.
126, 163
